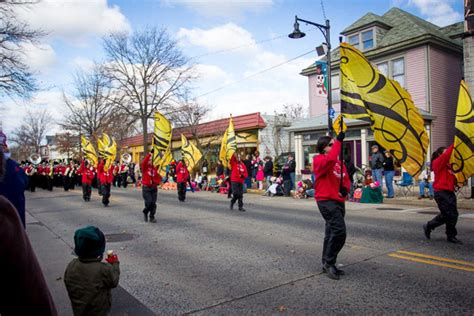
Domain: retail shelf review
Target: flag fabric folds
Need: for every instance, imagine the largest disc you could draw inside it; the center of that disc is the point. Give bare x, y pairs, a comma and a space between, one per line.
107, 149
165, 159
190, 153
397, 124
161, 139
228, 145
88, 150
337, 125
462, 158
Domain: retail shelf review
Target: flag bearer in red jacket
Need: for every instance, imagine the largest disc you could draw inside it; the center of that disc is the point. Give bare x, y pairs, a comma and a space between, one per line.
182, 175
88, 174
444, 195
150, 181
106, 177
237, 177
330, 197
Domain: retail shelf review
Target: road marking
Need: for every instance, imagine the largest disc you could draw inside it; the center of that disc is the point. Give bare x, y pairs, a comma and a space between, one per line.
433, 260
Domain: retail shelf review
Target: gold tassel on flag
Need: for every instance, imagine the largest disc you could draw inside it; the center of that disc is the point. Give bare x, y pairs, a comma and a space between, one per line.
191, 154
89, 151
462, 158
397, 124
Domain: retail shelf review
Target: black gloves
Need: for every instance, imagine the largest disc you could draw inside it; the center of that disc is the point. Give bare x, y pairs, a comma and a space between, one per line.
340, 136
342, 190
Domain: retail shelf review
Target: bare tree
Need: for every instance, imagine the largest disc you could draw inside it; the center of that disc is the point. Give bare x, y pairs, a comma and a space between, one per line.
68, 144
91, 112
33, 130
148, 72
16, 79
294, 111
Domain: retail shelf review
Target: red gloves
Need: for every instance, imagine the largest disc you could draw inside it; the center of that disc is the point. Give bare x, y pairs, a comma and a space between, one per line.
112, 258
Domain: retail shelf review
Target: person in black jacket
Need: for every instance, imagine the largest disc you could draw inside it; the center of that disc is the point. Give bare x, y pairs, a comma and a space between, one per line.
268, 170
288, 174
220, 169
389, 172
248, 164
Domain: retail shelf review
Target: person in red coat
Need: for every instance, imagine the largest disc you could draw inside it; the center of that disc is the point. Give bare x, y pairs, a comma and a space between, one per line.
88, 174
106, 177
237, 177
150, 181
182, 177
330, 197
444, 184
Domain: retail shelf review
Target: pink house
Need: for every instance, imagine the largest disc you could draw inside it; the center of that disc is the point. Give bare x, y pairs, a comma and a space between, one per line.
424, 58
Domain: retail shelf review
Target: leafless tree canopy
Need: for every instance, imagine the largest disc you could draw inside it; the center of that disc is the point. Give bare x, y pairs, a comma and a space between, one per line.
68, 144
16, 78
148, 72
294, 111
33, 130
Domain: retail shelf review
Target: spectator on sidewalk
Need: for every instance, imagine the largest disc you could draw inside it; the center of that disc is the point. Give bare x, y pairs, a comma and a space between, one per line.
389, 172
376, 164
426, 182
89, 280
23, 289
268, 170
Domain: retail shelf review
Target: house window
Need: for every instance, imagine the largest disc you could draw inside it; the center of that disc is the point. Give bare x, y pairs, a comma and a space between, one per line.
383, 68
367, 40
398, 71
354, 40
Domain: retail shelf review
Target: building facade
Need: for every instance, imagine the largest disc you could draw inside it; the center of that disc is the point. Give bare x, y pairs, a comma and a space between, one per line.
427, 60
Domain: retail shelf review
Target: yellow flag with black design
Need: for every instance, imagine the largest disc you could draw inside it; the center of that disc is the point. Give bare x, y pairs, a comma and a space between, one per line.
107, 149
190, 153
398, 126
165, 159
88, 150
161, 138
462, 158
228, 145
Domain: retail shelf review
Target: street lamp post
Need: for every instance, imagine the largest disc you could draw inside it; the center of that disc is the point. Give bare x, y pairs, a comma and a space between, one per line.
325, 29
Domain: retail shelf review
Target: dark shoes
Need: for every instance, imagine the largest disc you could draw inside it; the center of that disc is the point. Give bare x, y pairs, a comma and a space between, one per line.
145, 216
152, 220
454, 240
332, 271
242, 209
231, 206
427, 231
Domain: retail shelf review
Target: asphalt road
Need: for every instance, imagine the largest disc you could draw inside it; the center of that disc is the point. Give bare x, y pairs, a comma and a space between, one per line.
202, 258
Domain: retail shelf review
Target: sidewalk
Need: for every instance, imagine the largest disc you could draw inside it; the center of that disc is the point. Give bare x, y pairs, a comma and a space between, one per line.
54, 254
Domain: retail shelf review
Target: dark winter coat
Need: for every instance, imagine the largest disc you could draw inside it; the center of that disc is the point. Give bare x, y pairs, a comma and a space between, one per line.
268, 168
13, 186
89, 283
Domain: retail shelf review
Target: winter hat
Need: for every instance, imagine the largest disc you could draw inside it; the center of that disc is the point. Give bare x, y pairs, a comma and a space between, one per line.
89, 242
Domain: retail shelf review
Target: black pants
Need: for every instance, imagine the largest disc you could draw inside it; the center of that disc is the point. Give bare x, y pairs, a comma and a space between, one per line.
86, 191
124, 180
99, 187
287, 187
49, 183
447, 205
229, 194
237, 194
181, 191
150, 195
335, 236
105, 193
66, 183
32, 183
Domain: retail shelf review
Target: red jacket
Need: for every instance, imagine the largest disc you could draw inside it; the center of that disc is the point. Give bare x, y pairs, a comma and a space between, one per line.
87, 174
238, 170
444, 176
150, 175
105, 177
327, 170
182, 172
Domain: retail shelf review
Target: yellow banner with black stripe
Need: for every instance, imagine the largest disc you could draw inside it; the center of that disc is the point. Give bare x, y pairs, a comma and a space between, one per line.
107, 149
89, 151
462, 158
161, 138
366, 94
190, 153
228, 145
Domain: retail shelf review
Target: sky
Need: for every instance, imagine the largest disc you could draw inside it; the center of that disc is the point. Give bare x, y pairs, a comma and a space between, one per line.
230, 42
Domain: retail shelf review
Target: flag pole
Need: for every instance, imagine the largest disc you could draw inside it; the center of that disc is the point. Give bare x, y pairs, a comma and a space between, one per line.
341, 155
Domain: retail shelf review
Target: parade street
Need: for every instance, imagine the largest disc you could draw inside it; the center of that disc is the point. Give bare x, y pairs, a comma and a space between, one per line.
202, 258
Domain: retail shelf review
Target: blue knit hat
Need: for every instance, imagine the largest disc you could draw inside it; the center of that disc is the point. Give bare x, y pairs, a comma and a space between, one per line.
89, 242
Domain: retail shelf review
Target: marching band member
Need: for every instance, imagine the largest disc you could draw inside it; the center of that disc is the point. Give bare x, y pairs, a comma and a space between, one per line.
182, 174
65, 170
237, 177
87, 172
106, 178
48, 172
124, 174
150, 181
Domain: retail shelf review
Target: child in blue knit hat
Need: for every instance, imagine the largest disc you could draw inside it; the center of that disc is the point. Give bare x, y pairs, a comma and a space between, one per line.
89, 280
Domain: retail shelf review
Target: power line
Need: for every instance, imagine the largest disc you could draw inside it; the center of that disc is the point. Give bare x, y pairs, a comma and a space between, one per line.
256, 74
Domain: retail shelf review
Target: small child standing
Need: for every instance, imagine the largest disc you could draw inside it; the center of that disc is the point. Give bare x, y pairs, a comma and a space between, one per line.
89, 280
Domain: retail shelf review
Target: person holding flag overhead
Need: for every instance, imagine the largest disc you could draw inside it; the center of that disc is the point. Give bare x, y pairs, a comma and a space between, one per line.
106, 177
88, 174
150, 181
331, 188
237, 177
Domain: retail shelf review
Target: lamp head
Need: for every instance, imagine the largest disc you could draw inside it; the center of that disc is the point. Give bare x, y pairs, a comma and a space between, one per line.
296, 31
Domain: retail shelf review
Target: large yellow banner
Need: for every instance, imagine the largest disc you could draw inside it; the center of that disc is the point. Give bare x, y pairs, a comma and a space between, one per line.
191, 154
107, 149
228, 145
161, 138
89, 151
